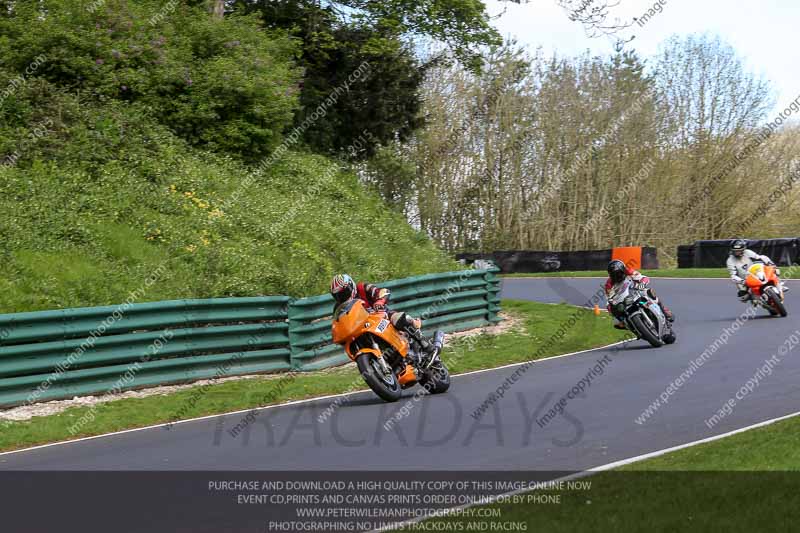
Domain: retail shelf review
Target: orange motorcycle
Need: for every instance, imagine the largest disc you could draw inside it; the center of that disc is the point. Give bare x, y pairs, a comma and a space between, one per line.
765, 287
389, 360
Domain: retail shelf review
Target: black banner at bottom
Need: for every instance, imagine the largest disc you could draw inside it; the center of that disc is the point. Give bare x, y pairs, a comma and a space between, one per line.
380, 501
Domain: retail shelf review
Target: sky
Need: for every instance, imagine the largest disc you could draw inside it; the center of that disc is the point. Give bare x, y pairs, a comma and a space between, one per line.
762, 32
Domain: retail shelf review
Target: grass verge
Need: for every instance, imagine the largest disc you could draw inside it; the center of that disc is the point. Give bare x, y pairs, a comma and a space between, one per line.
659, 273
537, 323
745, 482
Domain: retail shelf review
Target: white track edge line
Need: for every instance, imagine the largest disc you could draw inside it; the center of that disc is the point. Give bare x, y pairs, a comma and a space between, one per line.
286, 404
594, 470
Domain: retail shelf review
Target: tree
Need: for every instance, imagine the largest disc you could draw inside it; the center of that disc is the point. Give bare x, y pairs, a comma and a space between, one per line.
712, 109
463, 25
219, 84
358, 78
590, 152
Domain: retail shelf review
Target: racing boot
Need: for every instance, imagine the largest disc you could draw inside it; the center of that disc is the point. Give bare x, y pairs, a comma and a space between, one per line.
664, 309
744, 295
412, 328
427, 347
667, 312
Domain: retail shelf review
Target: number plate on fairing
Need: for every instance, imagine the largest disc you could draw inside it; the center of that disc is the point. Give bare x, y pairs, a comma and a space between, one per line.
382, 326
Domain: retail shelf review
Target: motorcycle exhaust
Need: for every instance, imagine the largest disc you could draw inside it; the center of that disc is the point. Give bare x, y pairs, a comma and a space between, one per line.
438, 341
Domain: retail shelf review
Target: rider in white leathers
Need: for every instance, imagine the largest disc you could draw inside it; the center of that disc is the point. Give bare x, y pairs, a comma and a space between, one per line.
739, 261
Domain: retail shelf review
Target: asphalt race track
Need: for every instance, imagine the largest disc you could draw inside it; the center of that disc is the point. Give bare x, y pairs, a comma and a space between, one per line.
439, 432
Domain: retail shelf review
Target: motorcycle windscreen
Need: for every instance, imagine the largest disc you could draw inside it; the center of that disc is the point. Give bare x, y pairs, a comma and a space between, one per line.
755, 277
349, 321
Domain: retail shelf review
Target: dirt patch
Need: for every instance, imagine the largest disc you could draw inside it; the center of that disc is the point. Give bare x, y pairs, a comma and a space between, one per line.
511, 324
26, 412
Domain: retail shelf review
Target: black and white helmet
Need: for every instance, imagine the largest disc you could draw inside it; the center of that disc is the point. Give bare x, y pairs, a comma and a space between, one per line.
617, 271
738, 247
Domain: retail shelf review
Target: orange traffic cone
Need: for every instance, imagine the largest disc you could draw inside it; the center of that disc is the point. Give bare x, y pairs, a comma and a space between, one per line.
596, 310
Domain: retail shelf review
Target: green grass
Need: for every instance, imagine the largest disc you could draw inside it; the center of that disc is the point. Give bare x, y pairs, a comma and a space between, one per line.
537, 322
746, 482
211, 233
659, 273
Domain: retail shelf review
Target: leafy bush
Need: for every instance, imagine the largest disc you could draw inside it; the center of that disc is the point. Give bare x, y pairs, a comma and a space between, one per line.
226, 85
73, 238
114, 167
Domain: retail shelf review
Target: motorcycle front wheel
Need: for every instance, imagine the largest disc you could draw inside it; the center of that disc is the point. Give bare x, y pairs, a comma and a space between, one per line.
646, 333
775, 300
387, 387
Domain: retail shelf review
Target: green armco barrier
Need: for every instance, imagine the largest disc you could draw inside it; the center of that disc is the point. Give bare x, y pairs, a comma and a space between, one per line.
50, 355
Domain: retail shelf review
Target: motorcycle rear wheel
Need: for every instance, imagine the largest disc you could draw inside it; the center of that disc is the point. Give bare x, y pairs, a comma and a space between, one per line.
436, 379
646, 333
775, 300
386, 387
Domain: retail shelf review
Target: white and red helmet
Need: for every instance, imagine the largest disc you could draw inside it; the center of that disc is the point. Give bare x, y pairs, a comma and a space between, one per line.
343, 288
